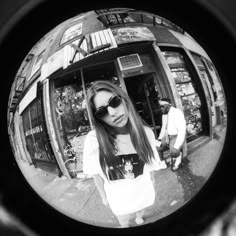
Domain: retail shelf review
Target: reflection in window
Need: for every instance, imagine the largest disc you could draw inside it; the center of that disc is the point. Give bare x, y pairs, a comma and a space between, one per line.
71, 108
72, 119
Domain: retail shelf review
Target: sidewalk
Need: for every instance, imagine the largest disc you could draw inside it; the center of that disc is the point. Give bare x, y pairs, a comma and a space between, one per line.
79, 199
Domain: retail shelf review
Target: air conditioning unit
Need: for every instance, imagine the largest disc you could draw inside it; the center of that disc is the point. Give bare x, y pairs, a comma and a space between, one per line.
130, 63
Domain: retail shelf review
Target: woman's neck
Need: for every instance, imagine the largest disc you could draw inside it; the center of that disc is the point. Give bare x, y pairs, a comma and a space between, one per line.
122, 130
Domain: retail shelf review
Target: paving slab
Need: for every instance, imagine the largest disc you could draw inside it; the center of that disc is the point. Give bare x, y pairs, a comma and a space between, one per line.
204, 161
95, 213
55, 189
169, 195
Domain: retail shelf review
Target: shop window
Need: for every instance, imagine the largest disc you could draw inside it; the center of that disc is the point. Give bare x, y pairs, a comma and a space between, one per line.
36, 137
109, 18
188, 92
23, 73
20, 82
221, 108
206, 77
72, 118
115, 18
209, 77
73, 123
217, 86
71, 109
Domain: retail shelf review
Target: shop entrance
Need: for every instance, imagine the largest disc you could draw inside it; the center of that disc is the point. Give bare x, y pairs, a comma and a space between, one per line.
144, 92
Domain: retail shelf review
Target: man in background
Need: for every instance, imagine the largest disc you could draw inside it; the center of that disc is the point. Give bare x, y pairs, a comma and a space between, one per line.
172, 134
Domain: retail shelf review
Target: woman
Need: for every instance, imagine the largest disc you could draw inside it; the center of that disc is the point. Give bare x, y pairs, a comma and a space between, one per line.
120, 153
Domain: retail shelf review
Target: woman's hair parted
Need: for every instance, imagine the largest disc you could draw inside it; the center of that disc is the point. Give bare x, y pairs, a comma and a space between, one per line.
106, 134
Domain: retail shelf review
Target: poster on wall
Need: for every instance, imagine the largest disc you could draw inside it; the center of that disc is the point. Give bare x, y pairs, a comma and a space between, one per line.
132, 34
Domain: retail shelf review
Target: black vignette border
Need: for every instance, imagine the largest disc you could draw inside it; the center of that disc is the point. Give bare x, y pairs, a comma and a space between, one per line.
17, 16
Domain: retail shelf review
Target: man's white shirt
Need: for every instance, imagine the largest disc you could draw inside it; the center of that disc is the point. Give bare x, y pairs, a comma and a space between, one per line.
174, 123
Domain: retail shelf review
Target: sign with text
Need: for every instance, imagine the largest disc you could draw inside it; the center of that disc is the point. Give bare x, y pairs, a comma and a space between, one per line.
132, 34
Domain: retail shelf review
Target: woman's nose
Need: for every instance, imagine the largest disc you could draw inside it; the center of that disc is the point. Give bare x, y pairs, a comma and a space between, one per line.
111, 111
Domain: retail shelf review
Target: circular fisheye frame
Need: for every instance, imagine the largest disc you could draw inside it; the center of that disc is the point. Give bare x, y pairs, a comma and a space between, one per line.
162, 122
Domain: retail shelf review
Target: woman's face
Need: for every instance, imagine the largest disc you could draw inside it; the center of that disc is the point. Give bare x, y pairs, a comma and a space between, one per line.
117, 116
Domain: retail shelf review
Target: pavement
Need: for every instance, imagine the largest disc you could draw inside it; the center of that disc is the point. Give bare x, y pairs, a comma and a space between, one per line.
79, 199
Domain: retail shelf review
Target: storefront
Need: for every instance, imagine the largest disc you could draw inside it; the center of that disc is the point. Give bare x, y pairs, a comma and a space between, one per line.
148, 62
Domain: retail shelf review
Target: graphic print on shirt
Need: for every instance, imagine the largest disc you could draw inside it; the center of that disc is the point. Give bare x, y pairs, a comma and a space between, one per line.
129, 167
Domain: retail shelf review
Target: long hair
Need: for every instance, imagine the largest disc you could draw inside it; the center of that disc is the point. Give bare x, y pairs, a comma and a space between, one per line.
106, 134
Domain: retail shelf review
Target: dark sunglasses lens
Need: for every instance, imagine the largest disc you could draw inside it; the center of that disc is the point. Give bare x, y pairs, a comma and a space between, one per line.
115, 102
101, 112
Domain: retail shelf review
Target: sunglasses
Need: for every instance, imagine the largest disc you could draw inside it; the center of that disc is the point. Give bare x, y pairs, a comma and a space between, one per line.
114, 102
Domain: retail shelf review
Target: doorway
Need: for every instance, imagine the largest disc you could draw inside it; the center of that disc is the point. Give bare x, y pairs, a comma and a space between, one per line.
145, 92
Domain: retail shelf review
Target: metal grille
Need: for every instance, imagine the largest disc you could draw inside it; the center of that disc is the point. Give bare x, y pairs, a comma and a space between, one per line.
129, 62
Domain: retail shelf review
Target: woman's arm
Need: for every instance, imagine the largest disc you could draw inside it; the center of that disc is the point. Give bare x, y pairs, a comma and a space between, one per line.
157, 163
99, 182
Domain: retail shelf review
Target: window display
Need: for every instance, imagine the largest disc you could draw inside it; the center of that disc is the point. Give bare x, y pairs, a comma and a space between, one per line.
187, 90
72, 118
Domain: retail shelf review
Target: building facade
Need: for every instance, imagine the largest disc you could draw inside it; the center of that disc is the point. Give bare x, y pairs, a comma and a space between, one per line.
148, 56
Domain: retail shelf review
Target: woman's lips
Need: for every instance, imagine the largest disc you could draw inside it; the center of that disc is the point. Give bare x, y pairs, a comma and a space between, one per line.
118, 119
